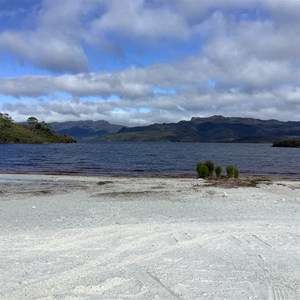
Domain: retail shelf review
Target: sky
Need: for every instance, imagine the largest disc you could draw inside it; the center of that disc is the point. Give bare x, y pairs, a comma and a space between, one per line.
137, 62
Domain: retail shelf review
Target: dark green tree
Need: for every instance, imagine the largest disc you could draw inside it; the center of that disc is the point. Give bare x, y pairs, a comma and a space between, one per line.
45, 126
5, 120
32, 122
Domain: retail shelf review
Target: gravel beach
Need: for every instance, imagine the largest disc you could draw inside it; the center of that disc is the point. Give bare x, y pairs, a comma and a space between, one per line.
72, 237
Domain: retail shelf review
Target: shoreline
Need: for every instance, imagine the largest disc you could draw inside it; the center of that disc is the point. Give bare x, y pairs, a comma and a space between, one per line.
99, 237
190, 175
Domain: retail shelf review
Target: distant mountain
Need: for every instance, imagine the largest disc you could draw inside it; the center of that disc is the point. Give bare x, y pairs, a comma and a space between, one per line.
212, 129
85, 130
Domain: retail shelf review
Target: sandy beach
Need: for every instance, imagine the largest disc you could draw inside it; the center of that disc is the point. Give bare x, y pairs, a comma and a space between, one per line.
71, 237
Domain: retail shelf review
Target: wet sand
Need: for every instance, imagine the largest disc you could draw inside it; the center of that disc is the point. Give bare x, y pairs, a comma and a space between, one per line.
74, 237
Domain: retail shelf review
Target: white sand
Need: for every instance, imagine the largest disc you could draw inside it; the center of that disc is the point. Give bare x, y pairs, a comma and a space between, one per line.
147, 238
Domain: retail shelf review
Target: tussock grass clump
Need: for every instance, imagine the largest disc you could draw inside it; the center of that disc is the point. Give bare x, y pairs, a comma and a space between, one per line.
210, 166
236, 172
202, 170
208, 169
230, 171
218, 171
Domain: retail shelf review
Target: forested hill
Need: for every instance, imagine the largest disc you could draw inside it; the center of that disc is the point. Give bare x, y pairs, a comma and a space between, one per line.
34, 132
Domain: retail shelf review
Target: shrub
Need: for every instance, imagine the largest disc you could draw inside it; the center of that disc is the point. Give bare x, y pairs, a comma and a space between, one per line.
199, 164
230, 171
210, 166
218, 171
236, 172
202, 170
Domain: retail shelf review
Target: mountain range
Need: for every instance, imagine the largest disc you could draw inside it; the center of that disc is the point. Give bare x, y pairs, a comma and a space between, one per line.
85, 130
211, 129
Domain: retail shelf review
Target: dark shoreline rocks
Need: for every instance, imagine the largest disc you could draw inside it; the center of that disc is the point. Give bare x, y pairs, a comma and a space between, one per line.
292, 143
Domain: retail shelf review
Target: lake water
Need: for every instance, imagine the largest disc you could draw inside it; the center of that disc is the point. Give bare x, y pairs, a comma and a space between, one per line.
147, 159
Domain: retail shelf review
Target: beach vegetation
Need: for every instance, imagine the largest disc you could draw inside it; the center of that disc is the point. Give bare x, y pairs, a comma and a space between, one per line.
230, 171
202, 170
208, 169
236, 172
199, 164
210, 166
218, 171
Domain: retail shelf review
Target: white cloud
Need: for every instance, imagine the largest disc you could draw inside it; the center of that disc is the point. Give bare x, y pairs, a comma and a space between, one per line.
166, 108
133, 19
53, 41
248, 49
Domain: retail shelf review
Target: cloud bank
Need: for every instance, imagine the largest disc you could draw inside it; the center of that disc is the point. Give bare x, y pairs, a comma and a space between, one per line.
236, 58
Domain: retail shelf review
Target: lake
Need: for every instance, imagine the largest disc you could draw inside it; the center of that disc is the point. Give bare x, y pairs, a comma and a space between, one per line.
147, 159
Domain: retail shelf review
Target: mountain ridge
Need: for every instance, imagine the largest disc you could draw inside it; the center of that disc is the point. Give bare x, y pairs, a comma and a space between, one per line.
211, 129
216, 128
86, 130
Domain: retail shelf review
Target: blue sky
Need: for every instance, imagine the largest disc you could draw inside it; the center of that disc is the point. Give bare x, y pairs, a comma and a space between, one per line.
136, 62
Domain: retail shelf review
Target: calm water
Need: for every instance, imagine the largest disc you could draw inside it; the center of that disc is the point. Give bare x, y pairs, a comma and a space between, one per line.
140, 159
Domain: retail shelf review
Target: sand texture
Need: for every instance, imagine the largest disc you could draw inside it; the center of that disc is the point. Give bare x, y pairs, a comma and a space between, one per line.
147, 238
